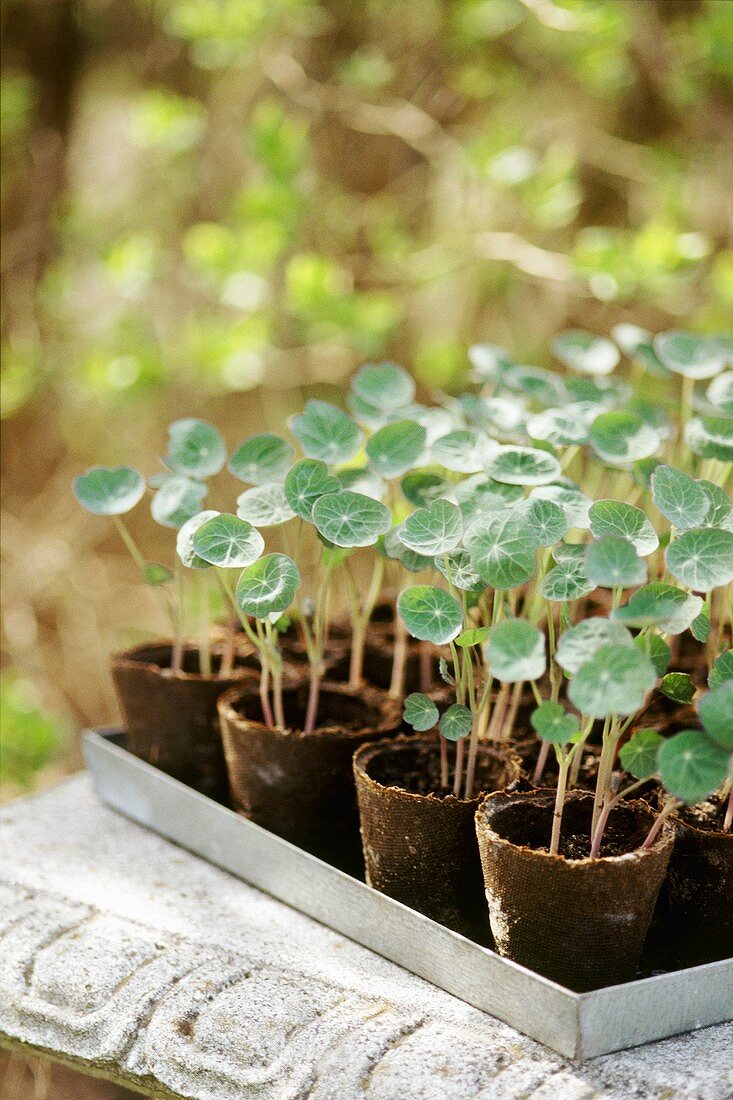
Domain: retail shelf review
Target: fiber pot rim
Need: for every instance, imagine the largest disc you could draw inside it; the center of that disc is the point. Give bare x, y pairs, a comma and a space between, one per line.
125, 658
371, 749
388, 708
547, 796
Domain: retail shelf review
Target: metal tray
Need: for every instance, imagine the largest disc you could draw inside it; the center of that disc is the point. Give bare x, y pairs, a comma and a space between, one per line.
577, 1025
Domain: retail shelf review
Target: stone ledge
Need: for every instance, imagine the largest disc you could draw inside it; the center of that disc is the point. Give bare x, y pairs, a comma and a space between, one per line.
128, 955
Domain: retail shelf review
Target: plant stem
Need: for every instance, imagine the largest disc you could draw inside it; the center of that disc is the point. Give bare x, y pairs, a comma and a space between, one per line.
669, 808
478, 731
138, 557
563, 762
204, 619
728, 819
397, 684
177, 654
541, 762
277, 676
460, 750
443, 761
604, 772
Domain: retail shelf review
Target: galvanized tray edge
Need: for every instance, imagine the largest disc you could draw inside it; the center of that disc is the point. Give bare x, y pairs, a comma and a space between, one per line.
575, 1025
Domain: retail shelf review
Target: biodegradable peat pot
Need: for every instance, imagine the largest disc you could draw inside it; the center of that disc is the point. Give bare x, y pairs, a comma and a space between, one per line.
170, 717
696, 903
300, 786
419, 844
579, 921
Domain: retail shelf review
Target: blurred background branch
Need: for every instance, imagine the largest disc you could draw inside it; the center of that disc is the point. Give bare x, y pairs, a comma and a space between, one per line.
212, 206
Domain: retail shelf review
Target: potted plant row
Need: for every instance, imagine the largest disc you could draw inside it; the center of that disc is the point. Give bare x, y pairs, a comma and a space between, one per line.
530, 692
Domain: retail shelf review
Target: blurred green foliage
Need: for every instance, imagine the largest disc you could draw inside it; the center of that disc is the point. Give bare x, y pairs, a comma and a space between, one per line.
29, 738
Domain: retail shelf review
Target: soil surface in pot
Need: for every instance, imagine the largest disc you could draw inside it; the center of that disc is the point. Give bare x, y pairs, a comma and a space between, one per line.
419, 773
624, 832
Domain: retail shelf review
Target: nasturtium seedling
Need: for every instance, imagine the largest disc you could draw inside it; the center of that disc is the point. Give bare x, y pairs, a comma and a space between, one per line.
575, 503
639, 755
564, 427
553, 723
462, 451
523, 466
616, 517
184, 540
265, 505
691, 766
540, 385
228, 541
422, 487
503, 552
701, 625
430, 614
678, 687
702, 559
583, 351
637, 344
662, 605
475, 636
326, 433
384, 386
360, 479
546, 521
420, 712
720, 392
457, 569
581, 642
305, 482
109, 491
480, 496
623, 437
710, 437
178, 500
351, 519
720, 513
434, 530
488, 361
716, 712
612, 562
195, 449
393, 548
567, 581
268, 587
396, 448
614, 681
262, 459
689, 354
656, 649
456, 722
679, 498
515, 651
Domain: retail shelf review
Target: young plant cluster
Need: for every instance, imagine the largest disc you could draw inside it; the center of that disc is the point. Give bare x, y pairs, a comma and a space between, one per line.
566, 539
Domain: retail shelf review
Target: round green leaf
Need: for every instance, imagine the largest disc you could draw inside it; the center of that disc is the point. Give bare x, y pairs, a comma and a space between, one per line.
363, 480
516, 651
264, 505
622, 437
569, 551
476, 636
308, 480
184, 540
689, 354
637, 344
109, 491
488, 361
701, 625
579, 643
543, 386
722, 670
268, 586
261, 459
396, 448
615, 517
720, 392
503, 552
456, 723
662, 605
157, 574
365, 413
678, 686
195, 448
553, 723
462, 451
422, 488
656, 649
565, 427
681, 500
547, 522
639, 755
437, 529
420, 712
614, 681
430, 614
720, 513
393, 548
178, 500
384, 386
228, 541
576, 504
583, 351
702, 559
716, 712
457, 569
351, 519
479, 495
567, 581
326, 433
711, 437
691, 766
612, 562
523, 466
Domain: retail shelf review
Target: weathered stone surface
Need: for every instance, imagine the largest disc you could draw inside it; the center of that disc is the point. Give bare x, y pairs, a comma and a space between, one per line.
122, 950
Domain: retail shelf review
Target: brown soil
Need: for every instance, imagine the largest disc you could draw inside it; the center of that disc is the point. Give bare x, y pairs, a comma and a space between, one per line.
337, 713
707, 815
419, 772
531, 825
